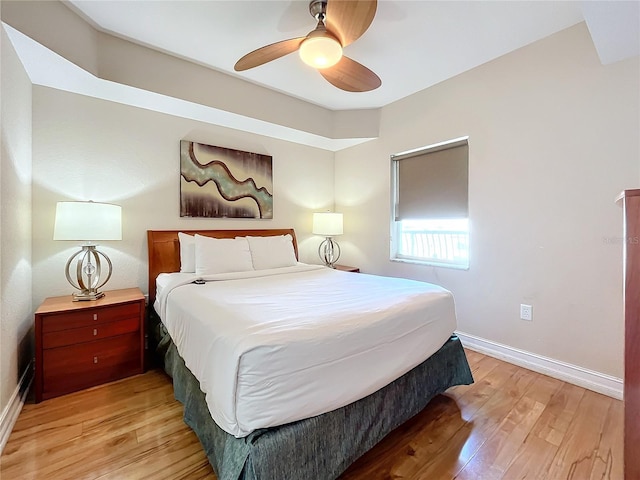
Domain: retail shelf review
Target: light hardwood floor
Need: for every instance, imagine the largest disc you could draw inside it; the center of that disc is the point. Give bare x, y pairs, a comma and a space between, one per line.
511, 423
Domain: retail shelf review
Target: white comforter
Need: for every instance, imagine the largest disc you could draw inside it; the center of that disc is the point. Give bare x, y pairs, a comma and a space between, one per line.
274, 346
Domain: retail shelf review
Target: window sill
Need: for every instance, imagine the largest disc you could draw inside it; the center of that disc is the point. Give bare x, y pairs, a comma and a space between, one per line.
428, 263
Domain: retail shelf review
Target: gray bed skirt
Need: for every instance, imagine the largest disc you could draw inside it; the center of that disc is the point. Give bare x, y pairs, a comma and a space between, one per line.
321, 447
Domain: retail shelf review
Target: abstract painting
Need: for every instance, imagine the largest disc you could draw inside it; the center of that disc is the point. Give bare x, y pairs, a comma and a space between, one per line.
219, 182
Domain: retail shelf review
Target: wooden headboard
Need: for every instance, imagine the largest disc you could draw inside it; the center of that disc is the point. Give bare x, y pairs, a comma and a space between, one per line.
164, 248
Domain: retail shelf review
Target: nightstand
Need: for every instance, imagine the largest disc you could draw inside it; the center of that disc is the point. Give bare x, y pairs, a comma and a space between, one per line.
83, 344
346, 268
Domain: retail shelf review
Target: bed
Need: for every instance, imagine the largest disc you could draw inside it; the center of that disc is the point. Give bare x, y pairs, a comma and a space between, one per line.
261, 431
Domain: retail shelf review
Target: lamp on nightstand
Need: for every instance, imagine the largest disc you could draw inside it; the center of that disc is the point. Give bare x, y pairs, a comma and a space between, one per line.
328, 225
88, 222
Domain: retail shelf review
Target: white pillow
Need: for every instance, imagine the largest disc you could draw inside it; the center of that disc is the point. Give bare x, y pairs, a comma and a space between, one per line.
222, 255
272, 252
187, 253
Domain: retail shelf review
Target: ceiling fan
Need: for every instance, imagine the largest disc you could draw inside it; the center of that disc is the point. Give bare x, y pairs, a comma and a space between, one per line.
340, 23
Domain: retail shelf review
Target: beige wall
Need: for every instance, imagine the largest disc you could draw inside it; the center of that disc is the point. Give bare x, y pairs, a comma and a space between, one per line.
553, 138
16, 315
84, 148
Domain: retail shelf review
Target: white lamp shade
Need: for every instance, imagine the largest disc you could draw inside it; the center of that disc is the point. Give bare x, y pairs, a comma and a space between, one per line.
87, 221
327, 224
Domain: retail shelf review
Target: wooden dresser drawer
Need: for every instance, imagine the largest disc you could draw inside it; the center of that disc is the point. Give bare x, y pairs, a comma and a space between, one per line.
66, 369
54, 322
84, 344
99, 331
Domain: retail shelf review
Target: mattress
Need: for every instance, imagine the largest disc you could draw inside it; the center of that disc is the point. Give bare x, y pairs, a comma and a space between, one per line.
274, 346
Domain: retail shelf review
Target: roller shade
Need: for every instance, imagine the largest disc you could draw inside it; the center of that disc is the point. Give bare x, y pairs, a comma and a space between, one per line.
433, 183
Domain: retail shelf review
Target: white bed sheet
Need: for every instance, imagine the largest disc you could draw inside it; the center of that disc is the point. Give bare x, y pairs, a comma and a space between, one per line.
273, 346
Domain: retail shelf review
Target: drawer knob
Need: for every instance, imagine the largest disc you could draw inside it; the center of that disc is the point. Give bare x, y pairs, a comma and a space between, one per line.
95, 332
95, 316
95, 359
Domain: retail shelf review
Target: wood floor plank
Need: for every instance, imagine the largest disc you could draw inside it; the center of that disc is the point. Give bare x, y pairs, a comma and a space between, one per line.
449, 460
580, 453
535, 454
176, 457
611, 443
163, 424
71, 460
61, 418
531, 461
498, 452
560, 411
510, 424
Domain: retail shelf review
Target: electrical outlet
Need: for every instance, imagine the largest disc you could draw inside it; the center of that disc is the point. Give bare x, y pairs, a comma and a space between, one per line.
526, 312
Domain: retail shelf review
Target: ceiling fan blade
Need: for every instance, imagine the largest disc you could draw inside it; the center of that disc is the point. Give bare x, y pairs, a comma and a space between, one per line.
351, 76
349, 19
268, 53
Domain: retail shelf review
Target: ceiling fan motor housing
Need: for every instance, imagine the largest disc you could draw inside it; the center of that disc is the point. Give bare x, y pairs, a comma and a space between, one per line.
317, 8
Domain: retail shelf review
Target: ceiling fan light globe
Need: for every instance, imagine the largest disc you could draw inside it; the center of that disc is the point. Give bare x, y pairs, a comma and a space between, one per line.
320, 51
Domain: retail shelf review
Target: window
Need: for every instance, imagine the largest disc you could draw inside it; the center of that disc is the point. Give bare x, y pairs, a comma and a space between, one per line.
430, 214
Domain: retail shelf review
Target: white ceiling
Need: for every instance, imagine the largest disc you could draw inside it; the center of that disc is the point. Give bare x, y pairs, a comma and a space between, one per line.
411, 45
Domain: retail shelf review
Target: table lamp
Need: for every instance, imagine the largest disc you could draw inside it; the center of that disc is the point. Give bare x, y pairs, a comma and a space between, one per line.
88, 222
328, 225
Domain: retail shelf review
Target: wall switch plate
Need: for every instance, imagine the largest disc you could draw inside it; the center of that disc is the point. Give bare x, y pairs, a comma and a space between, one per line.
526, 312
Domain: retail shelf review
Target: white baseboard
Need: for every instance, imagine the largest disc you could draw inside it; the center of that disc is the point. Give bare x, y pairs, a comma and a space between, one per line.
596, 381
12, 410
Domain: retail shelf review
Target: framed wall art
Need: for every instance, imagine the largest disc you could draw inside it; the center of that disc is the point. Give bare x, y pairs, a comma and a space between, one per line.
218, 182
